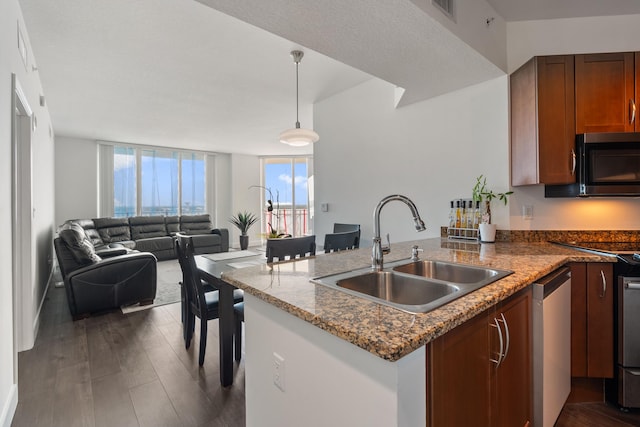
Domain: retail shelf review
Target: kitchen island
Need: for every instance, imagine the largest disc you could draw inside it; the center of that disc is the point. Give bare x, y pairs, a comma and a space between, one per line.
344, 360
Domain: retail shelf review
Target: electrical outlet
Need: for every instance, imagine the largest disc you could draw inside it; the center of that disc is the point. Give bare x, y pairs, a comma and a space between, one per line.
278, 371
527, 212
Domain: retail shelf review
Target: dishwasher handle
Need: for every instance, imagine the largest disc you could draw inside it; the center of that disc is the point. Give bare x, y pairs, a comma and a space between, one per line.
548, 284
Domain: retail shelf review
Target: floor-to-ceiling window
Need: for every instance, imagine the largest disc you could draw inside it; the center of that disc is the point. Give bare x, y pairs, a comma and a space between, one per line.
152, 181
124, 181
288, 184
159, 176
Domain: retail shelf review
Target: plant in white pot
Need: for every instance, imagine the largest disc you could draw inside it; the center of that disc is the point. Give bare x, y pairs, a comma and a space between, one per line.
244, 221
481, 193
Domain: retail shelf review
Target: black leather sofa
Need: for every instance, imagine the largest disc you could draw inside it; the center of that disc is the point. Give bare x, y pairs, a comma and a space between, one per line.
156, 234
105, 278
107, 263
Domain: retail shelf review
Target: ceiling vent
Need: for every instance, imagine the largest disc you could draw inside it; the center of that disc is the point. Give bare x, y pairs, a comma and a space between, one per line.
446, 6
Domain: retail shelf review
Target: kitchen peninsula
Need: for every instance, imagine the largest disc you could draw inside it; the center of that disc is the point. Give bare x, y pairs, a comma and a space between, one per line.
345, 360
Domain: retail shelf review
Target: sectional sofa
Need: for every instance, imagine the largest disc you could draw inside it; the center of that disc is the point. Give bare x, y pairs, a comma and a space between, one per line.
156, 234
107, 263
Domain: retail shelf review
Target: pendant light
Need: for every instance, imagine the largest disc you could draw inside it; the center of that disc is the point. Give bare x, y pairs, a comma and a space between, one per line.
298, 136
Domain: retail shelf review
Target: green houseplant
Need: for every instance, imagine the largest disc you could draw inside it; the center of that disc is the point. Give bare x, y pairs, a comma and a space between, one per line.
481, 193
244, 221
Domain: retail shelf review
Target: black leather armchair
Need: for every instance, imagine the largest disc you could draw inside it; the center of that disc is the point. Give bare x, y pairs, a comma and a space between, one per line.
95, 283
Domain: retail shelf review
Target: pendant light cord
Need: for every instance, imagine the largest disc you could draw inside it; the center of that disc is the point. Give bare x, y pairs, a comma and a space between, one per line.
299, 136
297, 119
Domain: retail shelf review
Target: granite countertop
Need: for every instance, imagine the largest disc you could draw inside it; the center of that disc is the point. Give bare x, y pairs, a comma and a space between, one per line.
387, 332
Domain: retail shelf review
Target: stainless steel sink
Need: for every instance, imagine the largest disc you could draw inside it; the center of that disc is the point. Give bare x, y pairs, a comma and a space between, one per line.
447, 271
414, 286
397, 288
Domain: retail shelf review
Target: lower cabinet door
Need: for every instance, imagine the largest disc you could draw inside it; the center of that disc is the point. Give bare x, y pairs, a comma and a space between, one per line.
514, 375
479, 374
600, 320
592, 328
459, 376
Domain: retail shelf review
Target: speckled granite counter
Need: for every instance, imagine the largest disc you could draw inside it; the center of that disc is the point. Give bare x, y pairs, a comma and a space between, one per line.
384, 331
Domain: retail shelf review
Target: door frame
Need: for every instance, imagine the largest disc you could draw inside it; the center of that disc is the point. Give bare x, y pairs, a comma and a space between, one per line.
23, 248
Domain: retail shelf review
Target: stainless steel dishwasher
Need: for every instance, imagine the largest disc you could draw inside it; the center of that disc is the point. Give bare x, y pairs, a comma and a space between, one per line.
551, 346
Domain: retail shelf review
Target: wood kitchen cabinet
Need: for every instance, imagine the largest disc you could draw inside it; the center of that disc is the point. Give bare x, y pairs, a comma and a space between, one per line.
543, 121
468, 368
592, 320
637, 93
605, 92
514, 375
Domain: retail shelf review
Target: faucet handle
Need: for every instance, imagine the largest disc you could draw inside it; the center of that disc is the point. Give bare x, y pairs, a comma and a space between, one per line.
414, 252
387, 248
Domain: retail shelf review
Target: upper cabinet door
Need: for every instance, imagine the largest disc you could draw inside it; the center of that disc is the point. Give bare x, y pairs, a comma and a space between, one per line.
605, 92
543, 122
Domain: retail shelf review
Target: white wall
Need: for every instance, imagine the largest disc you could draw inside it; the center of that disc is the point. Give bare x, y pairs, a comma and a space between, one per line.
42, 192
246, 173
430, 151
76, 171
570, 36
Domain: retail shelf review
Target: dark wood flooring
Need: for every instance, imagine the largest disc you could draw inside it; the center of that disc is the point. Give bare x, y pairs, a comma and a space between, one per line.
122, 370
596, 415
133, 370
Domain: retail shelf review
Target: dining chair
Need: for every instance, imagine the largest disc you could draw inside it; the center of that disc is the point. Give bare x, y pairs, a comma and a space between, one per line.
290, 247
198, 302
238, 314
334, 242
187, 317
344, 228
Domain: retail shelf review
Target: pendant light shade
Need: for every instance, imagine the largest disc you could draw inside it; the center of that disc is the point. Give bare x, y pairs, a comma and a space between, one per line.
298, 137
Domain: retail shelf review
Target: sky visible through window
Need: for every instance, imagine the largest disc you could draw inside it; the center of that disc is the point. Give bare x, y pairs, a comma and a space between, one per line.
287, 180
278, 178
159, 190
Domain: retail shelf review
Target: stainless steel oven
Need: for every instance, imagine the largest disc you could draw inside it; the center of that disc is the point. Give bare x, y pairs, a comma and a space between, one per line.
627, 385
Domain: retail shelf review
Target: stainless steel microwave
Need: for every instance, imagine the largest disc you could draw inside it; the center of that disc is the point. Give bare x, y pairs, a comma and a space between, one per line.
607, 164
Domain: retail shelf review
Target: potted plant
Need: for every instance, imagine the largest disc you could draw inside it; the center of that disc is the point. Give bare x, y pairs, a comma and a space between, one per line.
481, 193
274, 214
243, 220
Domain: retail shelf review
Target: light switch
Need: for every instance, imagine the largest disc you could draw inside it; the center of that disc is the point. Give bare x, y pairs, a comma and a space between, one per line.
324, 207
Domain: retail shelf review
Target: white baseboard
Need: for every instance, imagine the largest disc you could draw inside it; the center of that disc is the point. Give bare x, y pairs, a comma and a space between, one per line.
9, 407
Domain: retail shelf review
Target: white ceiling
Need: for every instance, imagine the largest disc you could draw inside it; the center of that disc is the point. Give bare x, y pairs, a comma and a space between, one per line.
180, 73
173, 73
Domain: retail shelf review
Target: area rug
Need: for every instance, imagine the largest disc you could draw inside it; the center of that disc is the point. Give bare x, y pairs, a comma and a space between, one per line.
167, 287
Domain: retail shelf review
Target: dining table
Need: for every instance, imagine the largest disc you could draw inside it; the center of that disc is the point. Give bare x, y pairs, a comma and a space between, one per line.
210, 267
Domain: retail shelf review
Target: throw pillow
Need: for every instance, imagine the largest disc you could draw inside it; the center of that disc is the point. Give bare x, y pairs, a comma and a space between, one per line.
77, 241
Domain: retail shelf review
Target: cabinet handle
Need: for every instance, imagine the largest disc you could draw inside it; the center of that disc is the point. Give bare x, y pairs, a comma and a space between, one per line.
507, 334
573, 161
632, 108
604, 284
497, 325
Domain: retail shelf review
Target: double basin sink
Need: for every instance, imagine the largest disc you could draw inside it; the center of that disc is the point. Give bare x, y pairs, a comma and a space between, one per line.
414, 286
